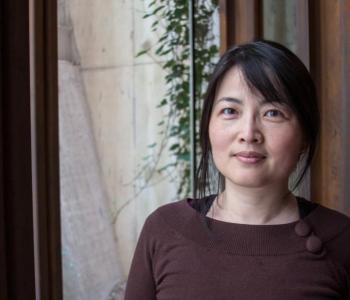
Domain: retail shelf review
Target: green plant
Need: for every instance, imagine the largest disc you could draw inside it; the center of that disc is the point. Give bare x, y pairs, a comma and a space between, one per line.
173, 47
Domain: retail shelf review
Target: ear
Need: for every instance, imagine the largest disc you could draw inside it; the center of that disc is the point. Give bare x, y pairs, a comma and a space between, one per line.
303, 149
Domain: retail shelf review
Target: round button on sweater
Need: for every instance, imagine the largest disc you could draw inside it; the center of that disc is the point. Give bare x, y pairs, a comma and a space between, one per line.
313, 244
302, 228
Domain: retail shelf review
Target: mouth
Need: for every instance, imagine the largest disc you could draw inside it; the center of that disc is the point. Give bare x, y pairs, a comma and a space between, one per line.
250, 157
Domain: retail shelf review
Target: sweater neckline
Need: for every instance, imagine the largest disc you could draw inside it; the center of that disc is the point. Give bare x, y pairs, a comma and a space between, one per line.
241, 239
304, 207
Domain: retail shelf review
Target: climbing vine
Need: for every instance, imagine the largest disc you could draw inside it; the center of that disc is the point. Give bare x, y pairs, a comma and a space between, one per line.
171, 17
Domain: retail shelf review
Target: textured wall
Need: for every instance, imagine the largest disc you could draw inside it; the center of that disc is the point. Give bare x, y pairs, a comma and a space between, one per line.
115, 93
91, 266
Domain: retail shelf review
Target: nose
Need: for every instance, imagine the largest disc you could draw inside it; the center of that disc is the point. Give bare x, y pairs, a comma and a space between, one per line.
250, 132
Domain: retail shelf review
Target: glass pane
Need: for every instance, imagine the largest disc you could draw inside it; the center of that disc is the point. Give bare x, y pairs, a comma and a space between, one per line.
119, 128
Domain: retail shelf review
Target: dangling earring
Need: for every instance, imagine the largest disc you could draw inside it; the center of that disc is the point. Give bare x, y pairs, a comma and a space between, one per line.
300, 154
302, 151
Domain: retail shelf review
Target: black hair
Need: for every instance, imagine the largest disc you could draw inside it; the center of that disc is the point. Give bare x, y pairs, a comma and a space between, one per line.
278, 75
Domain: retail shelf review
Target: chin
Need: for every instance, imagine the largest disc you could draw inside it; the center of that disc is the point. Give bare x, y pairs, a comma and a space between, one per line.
249, 182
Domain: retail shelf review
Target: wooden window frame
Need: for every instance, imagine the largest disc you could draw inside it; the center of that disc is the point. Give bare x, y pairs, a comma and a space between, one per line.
45, 137
17, 274
29, 198
330, 67
240, 21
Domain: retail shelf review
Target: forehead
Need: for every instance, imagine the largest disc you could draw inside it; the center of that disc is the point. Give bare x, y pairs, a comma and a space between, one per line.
233, 77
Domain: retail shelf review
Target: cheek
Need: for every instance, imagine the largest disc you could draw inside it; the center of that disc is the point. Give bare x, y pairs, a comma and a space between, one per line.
219, 138
285, 145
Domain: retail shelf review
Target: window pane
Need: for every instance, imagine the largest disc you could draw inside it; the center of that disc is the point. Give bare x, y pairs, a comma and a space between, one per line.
115, 163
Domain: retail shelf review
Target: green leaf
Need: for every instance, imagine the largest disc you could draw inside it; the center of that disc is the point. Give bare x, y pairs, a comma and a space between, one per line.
142, 52
152, 145
163, 102
166, 167
155, 23
184, 157
174, 146
152, 3
157, 9
159, 50
162, 38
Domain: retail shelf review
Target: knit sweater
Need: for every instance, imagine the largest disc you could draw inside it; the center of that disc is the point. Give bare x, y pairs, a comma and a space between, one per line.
183, 254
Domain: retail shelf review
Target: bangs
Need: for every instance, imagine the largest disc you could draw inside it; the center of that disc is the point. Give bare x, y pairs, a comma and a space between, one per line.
262, 80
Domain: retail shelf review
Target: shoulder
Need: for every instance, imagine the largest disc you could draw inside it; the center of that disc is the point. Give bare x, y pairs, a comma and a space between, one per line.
165, 227
333, 228
167, 210
329, 223
170, 215
180, 218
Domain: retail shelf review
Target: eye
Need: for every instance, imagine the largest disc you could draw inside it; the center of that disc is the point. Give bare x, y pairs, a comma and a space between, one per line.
273, 113
228, 111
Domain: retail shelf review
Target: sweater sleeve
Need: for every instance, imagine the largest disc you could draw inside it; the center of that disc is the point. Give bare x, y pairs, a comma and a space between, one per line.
140, 283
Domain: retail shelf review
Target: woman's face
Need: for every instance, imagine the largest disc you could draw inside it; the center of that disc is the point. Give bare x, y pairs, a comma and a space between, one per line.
254, 143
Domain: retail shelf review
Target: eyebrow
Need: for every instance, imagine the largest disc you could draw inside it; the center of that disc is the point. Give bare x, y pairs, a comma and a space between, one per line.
238, 101
230, 99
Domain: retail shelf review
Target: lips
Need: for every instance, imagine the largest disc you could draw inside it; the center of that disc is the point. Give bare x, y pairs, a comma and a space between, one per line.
249, 157
250, 154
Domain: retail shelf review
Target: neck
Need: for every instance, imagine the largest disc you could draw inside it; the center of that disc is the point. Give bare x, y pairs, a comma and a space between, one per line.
260, 206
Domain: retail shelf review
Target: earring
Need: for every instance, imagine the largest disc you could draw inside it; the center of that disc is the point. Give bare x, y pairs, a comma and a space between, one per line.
301, 153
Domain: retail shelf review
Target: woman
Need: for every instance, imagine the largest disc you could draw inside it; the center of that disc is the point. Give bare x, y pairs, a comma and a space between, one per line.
253, 239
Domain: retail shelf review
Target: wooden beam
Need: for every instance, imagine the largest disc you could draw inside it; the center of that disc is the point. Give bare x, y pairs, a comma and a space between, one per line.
44, 101
247, 14
345, 37
329, 65
3, 264
240, 22
16, 180
226, 25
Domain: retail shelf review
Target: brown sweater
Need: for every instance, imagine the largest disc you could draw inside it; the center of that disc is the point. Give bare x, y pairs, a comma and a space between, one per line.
182, 254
